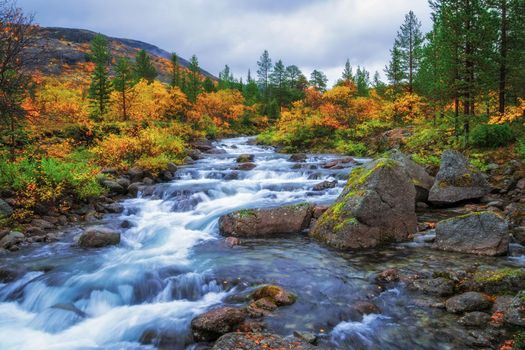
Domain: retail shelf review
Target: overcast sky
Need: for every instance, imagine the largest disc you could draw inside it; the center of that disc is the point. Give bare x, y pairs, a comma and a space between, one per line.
312, 34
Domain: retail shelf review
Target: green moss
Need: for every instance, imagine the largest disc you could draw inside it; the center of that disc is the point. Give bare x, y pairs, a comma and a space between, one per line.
361, 174
246, 213
496, 276
519, 340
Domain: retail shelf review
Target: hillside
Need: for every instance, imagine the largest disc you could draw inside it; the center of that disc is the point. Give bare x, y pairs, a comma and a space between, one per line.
66, 49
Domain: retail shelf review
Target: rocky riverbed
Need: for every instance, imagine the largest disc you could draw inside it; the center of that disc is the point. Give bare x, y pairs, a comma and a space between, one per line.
157, 273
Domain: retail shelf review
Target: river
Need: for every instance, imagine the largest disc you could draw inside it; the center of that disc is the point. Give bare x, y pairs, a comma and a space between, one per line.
172, 265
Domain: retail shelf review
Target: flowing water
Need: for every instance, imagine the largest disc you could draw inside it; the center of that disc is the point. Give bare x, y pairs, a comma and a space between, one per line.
172, 265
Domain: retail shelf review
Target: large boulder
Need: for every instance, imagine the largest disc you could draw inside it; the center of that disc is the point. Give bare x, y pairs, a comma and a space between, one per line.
483, 233
376, 207
11, 240
420, 178
212, 324
264, 222
5, 209
457, 181
257, 341
97, 237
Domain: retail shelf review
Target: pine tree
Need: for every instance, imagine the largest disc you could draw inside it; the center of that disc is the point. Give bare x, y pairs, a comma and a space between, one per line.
194, 80
296, 83
123, 82
100, 88
362, 80
348, 75
226, 80
394, 70
278, 82
409, 42
251, 91
318, 80
378, 84
263, 73
144, 69
208, 85
175, 71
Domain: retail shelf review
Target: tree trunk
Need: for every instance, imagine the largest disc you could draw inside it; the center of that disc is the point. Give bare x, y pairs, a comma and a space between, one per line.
503, 57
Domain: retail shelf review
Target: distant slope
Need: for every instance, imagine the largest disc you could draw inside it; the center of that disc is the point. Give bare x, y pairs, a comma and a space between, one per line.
67, 48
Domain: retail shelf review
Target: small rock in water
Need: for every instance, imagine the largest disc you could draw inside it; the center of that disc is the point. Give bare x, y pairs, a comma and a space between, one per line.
436, 286
97, 237
324, 185
212, 324
245, 158
306, 336
246, 166
232, 241
388, 275
298, 157
475, 319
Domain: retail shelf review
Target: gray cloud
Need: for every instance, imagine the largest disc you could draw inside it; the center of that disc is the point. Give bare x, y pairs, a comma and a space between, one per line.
312, 34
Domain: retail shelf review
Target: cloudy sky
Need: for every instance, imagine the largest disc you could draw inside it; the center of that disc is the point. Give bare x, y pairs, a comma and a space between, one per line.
312, 34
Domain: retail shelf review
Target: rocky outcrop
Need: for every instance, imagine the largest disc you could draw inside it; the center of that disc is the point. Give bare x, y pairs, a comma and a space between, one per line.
457, 181
420, 178
212, 324
257, 341
264, 222
484, 233
97, 237
376, 207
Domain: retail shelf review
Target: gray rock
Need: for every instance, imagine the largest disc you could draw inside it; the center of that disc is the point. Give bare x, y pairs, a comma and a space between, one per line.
257, 341
435, 286
519, 234
12, 239
457, 181
43, 224
475, 319
172, 168
5, 209
113, 187
246, 166
484, 233
264, 222
97, 236
466, 302
136, 174
245, 158
307, 337
420, 178
212, 324
135, 188
324, 185
376, 207
122, 181
298, 157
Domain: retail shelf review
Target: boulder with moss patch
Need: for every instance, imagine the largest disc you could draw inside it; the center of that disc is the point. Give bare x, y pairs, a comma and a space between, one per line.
420, 178
483, 233
289, 219
457, 181
376, 207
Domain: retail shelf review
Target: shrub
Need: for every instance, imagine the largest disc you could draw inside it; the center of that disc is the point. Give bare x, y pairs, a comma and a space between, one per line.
488, 135
520, 148
352, 148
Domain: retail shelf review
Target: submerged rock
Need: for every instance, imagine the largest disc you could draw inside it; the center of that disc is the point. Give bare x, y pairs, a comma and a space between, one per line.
457, 181
257, 341
212, 324
275, 294
376, 207
439, 286
297, 157
324, 185
263, 222
97, 237
484, 233
246, 166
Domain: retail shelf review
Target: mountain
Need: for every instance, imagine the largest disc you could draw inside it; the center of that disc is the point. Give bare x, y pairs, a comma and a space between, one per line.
64, 49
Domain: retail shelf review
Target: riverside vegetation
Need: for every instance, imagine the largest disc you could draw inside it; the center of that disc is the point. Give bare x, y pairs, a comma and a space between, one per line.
447, 130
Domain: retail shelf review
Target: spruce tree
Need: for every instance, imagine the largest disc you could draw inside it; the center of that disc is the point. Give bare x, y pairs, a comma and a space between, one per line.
409, 42
263, 73
175, 71
348, 75
278, 82
208, 85
394, 70
226, 80
144, 69
100, 88
193, 86
123, 82
362, 80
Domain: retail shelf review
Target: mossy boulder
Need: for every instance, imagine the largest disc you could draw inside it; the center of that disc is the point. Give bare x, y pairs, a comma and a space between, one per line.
498, 281
420, 178
457, 181
376, 207
482, 233
245, 158
291, 219
278, 295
